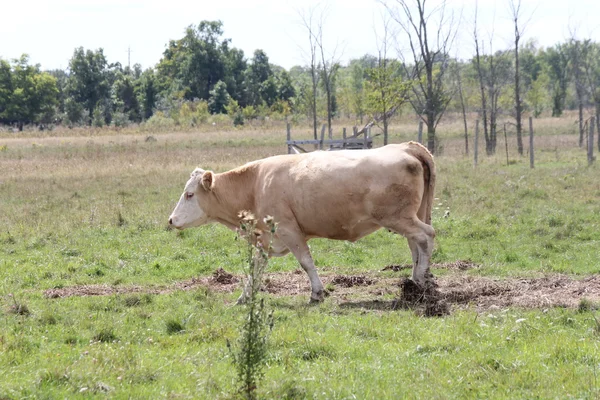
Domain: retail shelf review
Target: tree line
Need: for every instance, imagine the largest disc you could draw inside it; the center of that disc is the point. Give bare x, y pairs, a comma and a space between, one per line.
202, 74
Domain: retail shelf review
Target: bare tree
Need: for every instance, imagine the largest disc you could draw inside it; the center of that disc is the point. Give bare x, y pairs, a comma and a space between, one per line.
386, 91
493, 72
430, 55
478, 67
592, 71
463, 105
329, 68
578, 53
515, 8
307, 23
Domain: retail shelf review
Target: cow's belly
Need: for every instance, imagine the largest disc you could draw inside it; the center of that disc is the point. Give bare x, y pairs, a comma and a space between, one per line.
345, 230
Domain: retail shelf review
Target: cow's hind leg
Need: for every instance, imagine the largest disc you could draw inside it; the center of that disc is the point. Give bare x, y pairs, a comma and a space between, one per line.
420, 240
296, 242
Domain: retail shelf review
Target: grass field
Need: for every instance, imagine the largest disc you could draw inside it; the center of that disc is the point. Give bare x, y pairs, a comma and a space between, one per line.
85, 214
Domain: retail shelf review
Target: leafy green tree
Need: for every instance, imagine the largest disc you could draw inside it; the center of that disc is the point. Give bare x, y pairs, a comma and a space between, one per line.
124, 91
27, 95
257, 73
386, 92
61, 84
268, 91
147, 92
219, 98
74, 112
285, 88
537, 96
6, 86
195, 63
88, 81
235, 66
557, 63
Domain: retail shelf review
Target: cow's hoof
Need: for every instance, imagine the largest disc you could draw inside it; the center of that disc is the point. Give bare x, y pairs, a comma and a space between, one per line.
317, 297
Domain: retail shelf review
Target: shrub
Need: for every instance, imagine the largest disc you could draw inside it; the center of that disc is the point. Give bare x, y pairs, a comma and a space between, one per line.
250, 354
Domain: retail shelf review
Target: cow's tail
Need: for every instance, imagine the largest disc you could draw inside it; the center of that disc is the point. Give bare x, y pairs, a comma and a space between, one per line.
422, 154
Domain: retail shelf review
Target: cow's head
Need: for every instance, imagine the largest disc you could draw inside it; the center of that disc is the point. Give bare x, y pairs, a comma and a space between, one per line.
188, 212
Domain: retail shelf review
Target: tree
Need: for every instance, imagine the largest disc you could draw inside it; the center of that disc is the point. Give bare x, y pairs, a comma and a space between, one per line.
537, 96
88, 81
307, 22
386, 89
124, 91
515, 8
27, 95
235, 65
259, 84
557, 65
6, 87
147, 92
285, 87
196, 62
578, 53
481, 80
463, 103
593, 77
219, 98
430, 56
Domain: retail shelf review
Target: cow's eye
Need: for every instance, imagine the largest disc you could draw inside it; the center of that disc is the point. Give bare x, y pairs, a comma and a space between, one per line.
189, 195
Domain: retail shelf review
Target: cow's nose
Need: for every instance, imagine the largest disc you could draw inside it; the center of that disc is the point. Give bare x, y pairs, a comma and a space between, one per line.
170, 221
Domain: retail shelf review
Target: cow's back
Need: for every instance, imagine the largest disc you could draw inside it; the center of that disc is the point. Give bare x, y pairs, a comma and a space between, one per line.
340, 195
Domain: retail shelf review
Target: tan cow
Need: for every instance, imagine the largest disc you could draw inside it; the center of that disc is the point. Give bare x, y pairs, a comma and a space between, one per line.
341, 195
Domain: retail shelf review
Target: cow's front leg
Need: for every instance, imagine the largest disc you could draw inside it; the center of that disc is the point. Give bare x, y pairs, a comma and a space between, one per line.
296, 243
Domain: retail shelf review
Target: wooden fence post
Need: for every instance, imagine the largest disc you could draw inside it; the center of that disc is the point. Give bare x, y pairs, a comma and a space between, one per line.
506, 145
420, 134
344, 137
476, 147
366, 137
322, 136
531, 159
289, 137
591, 142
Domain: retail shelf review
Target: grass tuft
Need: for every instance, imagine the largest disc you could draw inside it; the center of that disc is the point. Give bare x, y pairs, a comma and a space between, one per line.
174, 326
106, 335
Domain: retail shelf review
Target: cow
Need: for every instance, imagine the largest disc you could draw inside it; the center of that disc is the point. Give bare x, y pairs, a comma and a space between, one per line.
343, 195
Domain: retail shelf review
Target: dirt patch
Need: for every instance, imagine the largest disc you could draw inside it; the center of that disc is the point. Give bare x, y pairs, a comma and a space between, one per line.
375, 292
350, 281
460, 265
397, 267
223, 277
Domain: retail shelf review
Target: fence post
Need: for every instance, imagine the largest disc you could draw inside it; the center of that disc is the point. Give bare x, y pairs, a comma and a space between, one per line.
420, 134
476, 147
289, 137
322, 136
344, 137
598, 129
506, 145
531, 158
591, 142
366, 137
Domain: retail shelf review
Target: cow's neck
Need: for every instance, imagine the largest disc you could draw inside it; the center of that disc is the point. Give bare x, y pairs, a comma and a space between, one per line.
233, 192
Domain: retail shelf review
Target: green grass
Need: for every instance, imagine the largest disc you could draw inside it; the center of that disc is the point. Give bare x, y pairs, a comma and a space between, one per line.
96, 214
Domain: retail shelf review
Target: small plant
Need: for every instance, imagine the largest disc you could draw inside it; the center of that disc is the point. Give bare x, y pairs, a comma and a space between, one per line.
174, 326
18, 308
105, 335
251, 351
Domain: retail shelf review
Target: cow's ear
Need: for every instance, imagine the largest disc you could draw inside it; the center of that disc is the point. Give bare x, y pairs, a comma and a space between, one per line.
207, 180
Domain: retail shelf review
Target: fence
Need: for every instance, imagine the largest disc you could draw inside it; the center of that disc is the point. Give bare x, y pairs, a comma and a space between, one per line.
346, 142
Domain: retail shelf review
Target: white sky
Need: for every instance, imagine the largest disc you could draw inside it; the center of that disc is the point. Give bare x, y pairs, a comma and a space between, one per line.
49, 30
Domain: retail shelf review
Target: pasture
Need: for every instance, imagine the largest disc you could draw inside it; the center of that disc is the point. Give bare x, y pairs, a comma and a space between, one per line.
99, 300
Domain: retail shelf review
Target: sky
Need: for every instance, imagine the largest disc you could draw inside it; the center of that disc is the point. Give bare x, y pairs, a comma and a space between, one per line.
50, 30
